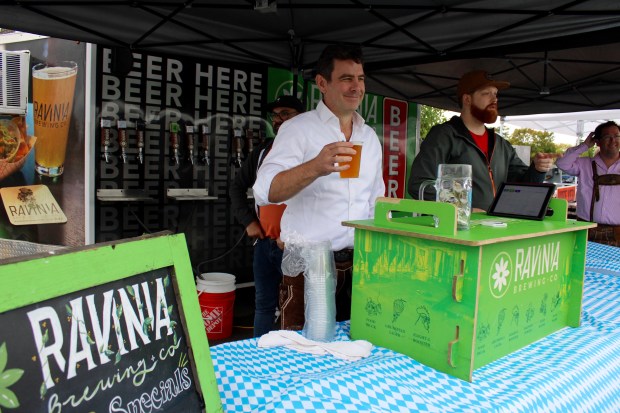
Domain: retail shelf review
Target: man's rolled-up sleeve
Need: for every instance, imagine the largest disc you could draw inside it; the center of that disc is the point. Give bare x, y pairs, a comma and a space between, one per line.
286, 153
569, 163
261, 187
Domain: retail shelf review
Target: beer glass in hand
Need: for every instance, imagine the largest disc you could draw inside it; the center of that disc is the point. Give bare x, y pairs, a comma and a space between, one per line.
354, 169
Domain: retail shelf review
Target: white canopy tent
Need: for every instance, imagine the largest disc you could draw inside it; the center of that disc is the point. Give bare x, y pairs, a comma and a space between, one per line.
574, 124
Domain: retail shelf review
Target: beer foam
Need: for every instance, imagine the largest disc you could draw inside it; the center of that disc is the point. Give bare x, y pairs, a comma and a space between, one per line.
54, 73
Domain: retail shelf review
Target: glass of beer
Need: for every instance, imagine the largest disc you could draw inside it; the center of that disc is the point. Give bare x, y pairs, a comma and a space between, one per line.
354, 169
53, 86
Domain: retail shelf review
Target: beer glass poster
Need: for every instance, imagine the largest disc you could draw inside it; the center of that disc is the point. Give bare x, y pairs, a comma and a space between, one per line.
53, 125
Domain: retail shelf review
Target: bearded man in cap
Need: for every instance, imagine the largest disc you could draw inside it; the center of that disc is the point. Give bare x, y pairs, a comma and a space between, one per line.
466, 140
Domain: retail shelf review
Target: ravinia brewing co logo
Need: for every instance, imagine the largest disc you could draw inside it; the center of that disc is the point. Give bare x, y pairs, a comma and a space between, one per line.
527, 268
500, 275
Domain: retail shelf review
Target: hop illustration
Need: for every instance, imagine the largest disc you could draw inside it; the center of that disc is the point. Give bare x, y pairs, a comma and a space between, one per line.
424, 317
529, 313
543, 304
556, 301
501, 316
372, 308
484, 331
399, 307
516, 314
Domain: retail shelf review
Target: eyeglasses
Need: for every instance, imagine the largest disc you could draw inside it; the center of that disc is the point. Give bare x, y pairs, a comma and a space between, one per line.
604, 138
284, 115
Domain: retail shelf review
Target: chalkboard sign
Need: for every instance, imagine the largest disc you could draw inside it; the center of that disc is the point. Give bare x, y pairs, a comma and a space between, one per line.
113, 327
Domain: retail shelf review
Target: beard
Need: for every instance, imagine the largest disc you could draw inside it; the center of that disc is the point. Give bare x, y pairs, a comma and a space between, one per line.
486, 115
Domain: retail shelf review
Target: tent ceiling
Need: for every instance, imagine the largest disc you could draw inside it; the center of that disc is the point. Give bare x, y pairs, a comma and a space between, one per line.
559, 55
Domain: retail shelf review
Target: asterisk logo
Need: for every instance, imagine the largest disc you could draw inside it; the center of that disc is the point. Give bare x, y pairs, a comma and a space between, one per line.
500, 275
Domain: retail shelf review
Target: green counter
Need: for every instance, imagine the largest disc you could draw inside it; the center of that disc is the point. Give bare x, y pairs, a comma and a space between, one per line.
457, 300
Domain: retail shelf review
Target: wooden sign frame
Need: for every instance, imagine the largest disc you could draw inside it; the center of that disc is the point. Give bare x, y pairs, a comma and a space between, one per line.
34, 279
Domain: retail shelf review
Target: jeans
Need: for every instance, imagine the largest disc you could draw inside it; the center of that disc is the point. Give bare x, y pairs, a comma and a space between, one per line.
267, 277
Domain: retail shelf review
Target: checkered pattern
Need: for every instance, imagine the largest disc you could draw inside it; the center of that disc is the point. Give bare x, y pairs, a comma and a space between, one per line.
603, 258
574, 369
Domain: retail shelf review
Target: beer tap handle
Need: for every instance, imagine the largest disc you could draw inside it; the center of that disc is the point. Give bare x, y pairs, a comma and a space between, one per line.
261, 137
238, 146
174, 142
140, 126
106, 140
249, 138
121, 126
204, 134
189, 135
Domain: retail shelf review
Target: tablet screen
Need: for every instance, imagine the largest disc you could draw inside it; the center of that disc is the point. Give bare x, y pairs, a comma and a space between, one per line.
522, 200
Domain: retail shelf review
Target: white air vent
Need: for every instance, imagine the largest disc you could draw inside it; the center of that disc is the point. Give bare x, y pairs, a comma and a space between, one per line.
14, 72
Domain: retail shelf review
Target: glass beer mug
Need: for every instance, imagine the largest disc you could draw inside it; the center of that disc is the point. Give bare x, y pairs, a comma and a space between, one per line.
453, 185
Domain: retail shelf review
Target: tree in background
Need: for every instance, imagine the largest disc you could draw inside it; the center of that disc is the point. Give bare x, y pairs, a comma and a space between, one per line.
539, 141
429, 117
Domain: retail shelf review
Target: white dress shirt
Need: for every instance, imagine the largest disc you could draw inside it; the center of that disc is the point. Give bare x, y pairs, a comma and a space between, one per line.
317, 211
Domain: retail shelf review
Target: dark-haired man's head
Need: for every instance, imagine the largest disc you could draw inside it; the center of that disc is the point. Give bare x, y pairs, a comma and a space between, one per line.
607, 138
600, 129
325, 64
340, 78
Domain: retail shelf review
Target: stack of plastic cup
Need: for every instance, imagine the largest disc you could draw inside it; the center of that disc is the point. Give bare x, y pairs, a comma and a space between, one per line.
319, 292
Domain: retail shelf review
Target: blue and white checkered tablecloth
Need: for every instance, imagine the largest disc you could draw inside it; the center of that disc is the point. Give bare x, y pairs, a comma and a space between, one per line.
602, 258
574, 369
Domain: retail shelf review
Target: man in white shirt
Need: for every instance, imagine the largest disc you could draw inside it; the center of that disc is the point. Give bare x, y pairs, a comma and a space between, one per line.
303, 168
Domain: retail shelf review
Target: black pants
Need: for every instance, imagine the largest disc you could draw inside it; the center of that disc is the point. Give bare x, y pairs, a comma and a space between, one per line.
605, 234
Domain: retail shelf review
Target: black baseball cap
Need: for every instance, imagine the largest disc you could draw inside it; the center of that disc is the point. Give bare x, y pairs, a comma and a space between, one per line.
286, 101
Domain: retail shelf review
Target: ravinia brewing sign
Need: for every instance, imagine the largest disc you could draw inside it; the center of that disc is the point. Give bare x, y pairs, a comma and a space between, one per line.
116, 348
526, 268
105, 328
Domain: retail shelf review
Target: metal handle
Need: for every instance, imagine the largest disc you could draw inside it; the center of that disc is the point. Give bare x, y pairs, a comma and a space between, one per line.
204, 132
249, 138
423, 186
106, 139
140, 125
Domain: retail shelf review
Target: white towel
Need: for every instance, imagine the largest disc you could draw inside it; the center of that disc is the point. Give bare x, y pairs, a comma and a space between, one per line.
347, 350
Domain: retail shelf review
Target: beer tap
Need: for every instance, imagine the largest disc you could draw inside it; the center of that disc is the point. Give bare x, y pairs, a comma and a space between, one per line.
174, 142
237, 147
249, 138
121, 126
204, 137
140, 126
189, 135
106, 140
261, 137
